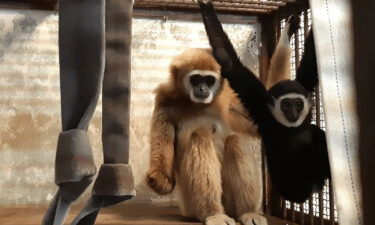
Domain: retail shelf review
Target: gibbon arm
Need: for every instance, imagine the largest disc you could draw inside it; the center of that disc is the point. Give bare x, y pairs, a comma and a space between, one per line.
280, 63
307, 73
249, 88
160, 176
322, 152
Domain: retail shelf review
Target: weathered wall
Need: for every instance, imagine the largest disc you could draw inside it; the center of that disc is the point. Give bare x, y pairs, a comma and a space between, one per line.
29, 96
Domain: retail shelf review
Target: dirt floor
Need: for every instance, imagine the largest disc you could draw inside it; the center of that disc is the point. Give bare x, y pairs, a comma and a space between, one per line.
124, 214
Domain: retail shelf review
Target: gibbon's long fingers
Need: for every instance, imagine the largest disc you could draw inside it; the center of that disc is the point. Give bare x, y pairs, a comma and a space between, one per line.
221, 46
307, 73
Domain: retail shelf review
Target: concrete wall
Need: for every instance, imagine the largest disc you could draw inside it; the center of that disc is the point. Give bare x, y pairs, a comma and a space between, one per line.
30, 100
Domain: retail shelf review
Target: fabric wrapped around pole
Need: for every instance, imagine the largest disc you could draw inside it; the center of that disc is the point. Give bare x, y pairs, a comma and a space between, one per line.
334, 45
114, 183
364, 70
81, 52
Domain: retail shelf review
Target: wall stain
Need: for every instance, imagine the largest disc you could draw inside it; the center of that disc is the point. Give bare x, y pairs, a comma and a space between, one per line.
23, 23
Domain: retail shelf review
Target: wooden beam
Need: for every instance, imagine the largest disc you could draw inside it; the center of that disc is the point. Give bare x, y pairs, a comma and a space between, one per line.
273, 3
194, 6
219, 3
185, 15
29, 4
269, 26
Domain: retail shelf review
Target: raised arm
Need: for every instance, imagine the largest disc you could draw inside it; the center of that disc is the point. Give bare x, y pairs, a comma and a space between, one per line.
307, 73
242, 80
280, 63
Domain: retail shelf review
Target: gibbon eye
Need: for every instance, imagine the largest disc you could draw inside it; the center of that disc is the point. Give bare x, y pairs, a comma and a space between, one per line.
299, 104
195, 79
285, 104
210, 80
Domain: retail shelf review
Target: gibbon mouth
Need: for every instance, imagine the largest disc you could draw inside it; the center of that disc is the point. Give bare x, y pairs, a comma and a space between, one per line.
292, 117
201, 95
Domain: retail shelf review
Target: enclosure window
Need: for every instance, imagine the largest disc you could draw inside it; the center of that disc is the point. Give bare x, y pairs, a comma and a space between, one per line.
321, 207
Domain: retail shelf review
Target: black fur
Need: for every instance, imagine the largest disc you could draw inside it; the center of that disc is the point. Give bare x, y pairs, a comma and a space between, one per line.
287, 86
297, 157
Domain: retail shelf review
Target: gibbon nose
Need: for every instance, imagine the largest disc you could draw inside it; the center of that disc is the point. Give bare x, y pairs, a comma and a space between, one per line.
201, 91
292, 115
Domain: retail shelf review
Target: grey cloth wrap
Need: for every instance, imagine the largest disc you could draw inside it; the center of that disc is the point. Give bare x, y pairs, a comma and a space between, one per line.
336, 74
74, 157
81, 52
114, 183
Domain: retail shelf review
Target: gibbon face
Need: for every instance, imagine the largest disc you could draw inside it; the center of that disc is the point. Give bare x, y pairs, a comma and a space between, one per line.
291, 103
202, 85
197, 73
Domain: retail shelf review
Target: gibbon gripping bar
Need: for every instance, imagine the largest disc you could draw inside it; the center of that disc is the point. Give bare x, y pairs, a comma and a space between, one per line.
81, 42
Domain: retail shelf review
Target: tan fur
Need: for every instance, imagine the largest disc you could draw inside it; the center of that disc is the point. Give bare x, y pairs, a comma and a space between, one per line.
193, 144
280, 63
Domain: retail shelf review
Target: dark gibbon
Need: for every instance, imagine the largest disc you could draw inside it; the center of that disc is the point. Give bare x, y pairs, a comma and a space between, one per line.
203, 141
296, 150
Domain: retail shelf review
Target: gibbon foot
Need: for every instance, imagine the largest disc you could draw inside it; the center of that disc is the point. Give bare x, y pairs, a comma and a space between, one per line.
159, 182
253, 219
220, 219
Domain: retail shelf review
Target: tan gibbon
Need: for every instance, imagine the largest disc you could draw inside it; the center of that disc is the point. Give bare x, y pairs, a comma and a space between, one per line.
203, 141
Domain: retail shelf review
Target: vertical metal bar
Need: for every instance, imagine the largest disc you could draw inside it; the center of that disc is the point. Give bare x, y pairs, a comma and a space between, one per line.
283, 205
293, 212
317, 105
306, 29
296, 49
302, 214
266, 188
321, 216
306, 22
331, 204
269, 26
311, 211
317, 114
